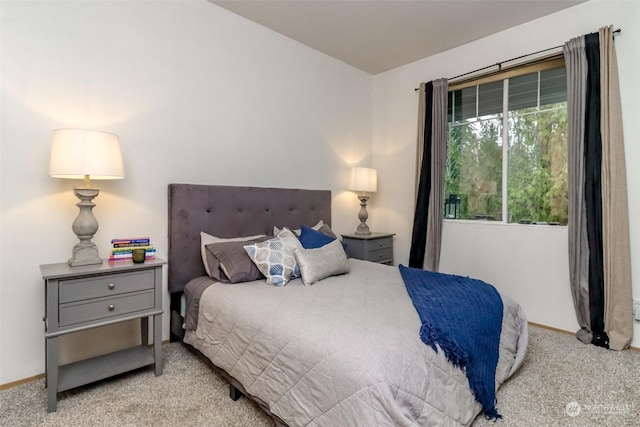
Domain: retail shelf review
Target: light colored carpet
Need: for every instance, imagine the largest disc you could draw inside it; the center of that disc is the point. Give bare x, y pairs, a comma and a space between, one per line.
601, 386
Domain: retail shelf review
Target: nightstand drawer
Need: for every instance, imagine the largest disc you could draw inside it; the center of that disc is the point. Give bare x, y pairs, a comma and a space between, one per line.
380, 255
377, 244
104, 308
103, 286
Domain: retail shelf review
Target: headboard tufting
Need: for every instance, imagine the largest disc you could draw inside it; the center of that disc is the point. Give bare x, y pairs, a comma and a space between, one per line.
227, 211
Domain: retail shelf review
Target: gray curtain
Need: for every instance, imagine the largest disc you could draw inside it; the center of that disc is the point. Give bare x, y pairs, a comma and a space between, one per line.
431, 158
422, 106
576, 66
615, 210
599, 248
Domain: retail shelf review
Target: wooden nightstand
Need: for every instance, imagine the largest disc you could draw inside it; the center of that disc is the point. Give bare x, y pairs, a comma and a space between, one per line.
85, 297
375, 247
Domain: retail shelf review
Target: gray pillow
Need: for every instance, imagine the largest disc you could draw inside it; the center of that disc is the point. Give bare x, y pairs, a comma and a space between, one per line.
316, 227
228, 262
206, 239
320, 263
327, 231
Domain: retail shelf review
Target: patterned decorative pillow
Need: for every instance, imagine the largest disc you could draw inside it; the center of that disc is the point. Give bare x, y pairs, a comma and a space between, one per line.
320, 263
276, 258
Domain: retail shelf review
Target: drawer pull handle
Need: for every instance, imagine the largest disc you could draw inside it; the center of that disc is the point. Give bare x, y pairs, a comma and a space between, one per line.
111, 285
111, 307
379, 245
379, 255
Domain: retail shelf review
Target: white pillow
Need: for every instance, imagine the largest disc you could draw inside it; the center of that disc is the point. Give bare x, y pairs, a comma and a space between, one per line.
206, 239
320, 263
316, 227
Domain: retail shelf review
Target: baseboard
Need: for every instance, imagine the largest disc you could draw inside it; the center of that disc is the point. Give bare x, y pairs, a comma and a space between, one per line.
562, 331
20, 382
551, 328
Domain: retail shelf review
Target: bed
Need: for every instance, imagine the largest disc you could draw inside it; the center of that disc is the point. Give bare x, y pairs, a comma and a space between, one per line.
344, 351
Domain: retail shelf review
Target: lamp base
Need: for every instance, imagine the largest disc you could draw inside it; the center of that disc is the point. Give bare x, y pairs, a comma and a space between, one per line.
362, 232
84, 253
85, 226
363, 228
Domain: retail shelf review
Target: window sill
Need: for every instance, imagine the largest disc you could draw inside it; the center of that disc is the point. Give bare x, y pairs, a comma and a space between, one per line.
500, 223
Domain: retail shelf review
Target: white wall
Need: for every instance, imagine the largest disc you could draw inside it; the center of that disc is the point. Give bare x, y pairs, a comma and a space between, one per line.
196, 94
529, 263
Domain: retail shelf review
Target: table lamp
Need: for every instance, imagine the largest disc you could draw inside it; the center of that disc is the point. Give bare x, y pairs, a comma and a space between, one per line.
85, 154
364, 180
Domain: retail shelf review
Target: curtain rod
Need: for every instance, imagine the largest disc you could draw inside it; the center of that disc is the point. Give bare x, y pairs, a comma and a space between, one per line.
499, 64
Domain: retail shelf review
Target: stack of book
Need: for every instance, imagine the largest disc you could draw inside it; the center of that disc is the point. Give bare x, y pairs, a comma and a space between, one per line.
122, 249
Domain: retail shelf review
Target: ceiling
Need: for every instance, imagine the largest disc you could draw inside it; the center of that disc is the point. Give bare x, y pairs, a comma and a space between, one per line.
378, 35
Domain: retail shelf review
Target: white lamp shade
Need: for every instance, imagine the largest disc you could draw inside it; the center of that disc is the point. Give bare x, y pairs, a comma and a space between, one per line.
76, 153
364, 179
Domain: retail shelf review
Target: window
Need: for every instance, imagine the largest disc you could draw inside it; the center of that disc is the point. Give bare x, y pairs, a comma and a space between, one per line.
507, 147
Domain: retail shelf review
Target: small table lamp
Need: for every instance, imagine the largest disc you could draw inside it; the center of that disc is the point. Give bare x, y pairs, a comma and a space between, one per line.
85, 154
365, 180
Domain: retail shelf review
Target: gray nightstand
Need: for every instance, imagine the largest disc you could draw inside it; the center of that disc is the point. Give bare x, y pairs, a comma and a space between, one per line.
375, 247
85, 297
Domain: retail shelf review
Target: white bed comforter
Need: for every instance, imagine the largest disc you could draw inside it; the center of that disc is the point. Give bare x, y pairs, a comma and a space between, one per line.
343, 352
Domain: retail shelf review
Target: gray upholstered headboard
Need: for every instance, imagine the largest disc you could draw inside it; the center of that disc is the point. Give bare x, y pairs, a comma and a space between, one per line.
226, 211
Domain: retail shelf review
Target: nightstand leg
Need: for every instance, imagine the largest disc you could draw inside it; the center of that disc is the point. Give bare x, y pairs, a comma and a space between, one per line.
52, 374
157, 343
144, 331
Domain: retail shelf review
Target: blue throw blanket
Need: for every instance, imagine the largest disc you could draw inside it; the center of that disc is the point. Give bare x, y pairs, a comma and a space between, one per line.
463, 316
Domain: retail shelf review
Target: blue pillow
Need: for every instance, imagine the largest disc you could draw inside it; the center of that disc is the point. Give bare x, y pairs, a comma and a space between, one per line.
312, 239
